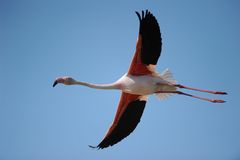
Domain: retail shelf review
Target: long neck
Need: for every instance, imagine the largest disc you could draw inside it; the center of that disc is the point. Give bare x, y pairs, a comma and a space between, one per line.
98, 86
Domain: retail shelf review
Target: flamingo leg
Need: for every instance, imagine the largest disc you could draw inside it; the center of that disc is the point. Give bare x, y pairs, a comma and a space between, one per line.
200, 90
190, 95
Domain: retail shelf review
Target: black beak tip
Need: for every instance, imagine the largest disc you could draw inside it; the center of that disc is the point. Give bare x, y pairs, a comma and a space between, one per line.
55, 83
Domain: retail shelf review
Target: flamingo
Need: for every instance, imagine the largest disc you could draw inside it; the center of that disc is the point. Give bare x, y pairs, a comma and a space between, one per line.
141, 81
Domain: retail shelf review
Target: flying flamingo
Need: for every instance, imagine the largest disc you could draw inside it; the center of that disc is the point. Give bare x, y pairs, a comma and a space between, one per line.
139, 82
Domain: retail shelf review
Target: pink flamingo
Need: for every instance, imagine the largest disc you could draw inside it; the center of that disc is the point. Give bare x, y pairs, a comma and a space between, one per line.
139, 82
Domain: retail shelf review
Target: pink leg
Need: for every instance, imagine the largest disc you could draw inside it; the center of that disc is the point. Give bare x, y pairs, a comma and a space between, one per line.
182, 93
200, 90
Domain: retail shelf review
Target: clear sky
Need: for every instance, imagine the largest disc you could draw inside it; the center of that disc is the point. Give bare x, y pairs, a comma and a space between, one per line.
94, 41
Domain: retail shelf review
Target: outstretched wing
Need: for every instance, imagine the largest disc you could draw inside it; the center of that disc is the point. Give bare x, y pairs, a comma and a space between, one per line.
131, 107
149, 45
127, 117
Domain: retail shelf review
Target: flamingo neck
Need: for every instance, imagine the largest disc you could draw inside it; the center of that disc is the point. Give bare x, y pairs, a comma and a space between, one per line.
99, 86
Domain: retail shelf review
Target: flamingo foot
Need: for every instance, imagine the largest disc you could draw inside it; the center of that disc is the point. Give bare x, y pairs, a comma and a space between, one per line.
219, 92
217, 101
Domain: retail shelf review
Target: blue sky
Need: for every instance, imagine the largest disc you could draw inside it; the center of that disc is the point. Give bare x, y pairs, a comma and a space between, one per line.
94, 41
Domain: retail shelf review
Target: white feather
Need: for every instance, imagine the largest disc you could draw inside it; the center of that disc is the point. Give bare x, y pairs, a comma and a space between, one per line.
167, 76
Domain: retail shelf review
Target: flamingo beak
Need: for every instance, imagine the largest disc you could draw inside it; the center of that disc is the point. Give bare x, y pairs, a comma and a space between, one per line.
55, 83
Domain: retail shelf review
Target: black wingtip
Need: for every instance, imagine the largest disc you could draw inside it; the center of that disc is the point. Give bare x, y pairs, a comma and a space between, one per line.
139, 17
93, 147
144, 14
147, 12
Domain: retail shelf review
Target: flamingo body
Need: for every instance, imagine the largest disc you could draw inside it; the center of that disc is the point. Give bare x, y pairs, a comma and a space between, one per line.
144, 84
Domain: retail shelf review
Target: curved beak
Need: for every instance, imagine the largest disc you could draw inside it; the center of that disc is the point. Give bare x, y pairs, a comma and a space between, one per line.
55, 83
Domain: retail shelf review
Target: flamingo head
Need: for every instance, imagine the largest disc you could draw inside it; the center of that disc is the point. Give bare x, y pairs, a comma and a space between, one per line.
64, 80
